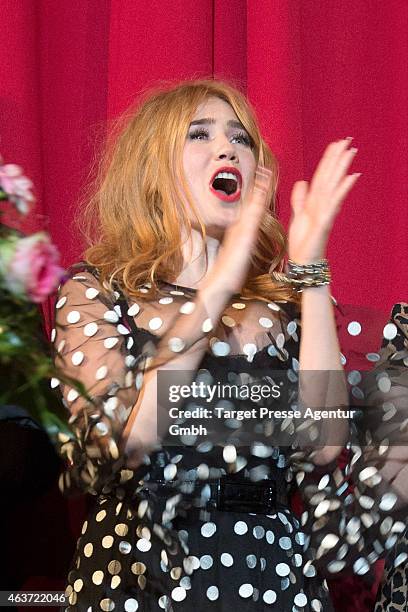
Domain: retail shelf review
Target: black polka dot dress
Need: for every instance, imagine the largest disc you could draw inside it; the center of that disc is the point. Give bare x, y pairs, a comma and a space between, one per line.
154, 539
393, 594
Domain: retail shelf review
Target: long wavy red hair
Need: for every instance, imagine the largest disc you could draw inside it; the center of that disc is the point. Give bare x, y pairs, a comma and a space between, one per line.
140, 199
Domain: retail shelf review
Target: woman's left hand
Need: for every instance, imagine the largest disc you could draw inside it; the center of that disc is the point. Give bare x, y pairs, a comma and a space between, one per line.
316, 205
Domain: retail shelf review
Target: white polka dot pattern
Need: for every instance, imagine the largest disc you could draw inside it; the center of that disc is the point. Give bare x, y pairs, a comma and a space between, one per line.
73, 316
109, 344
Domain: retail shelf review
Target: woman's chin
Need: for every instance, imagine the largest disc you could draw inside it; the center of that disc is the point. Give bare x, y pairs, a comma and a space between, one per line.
217, 223
221, 224
227, 215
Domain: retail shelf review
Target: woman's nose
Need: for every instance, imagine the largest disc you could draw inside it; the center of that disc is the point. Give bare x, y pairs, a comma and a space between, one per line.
226, 150
231, 155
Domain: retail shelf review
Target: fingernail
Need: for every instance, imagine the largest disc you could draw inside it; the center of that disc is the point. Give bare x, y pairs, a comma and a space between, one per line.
353, 149
357, 174
350, 138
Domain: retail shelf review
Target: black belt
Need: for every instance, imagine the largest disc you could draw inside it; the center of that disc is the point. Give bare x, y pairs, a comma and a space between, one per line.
232, 495
229, 494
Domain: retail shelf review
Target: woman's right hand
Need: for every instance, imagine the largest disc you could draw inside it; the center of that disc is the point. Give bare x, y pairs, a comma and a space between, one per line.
316, 205
230, 269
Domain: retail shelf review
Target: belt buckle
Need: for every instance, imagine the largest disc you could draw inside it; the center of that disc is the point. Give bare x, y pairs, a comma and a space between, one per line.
245, 496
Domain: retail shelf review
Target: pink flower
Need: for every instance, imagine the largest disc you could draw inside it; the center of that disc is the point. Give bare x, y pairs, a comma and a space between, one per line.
33, 270
16, 186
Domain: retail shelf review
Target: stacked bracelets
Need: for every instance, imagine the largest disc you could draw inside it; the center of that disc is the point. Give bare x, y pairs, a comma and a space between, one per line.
303, 276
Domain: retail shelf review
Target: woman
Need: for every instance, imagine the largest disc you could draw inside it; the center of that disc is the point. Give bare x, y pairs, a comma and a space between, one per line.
356, 519
185, 276
393, 594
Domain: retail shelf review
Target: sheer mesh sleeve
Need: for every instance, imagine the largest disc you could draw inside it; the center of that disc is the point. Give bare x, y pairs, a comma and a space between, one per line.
93, 346
108, 346
99, 348
355, 516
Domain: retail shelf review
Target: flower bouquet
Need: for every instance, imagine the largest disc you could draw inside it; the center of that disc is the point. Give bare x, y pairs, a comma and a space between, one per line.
29, 273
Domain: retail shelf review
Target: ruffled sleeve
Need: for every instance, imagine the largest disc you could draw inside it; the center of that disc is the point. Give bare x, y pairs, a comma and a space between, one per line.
109, 345
94, 347
354, 516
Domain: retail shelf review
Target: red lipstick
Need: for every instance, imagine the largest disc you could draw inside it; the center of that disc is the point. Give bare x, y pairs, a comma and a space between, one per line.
221, 195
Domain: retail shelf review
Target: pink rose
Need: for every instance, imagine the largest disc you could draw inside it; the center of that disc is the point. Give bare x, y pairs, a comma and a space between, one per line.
33, 269
16, 186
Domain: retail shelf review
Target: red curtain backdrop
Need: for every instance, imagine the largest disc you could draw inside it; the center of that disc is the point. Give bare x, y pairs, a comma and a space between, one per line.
314, 70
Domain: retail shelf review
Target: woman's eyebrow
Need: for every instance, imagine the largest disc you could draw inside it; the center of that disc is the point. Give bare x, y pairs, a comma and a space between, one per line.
235, 124
204, 120
209, 120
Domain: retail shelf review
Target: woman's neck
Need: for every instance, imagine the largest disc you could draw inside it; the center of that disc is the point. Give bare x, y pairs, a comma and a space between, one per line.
196, 264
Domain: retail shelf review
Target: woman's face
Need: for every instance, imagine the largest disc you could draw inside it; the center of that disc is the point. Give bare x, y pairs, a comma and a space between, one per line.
219, 164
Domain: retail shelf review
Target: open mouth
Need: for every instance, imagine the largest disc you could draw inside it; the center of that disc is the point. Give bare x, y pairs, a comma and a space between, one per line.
226, 184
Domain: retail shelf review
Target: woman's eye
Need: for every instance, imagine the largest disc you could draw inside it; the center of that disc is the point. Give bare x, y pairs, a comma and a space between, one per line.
242, 138
200, 134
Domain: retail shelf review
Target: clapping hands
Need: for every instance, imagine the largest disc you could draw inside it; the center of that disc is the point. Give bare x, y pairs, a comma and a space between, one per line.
315, 205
